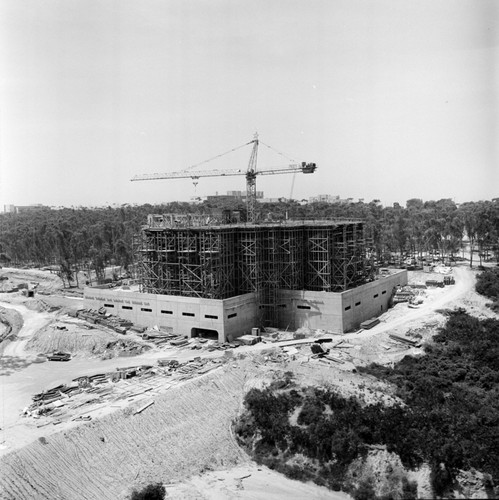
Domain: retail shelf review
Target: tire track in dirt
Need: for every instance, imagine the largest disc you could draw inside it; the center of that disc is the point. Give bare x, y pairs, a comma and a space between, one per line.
185, 432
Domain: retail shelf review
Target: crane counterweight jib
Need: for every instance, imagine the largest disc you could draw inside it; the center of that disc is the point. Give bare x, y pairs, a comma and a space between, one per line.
308, 168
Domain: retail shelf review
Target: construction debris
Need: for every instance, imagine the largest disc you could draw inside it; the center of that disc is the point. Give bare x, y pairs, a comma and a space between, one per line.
405, 340
140, 410
93, 392
101, 317
370, 323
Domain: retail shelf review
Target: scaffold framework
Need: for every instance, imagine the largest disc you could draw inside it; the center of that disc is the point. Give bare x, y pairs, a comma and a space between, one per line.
218, 262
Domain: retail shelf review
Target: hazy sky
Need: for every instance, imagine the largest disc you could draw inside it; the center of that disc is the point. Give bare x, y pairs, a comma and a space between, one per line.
392, 99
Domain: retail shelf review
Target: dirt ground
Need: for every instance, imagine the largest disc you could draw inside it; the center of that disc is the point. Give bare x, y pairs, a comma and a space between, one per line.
201, 458
247, 482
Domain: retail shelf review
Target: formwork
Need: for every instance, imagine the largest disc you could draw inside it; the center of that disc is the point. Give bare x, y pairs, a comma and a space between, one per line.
218, 262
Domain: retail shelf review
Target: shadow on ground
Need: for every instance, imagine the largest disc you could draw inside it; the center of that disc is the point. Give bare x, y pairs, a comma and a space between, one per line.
11, 364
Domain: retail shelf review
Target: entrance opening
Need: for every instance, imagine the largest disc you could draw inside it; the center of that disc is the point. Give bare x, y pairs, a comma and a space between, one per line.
204, 333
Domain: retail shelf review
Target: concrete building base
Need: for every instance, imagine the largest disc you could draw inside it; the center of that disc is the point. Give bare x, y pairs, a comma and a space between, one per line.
230, 318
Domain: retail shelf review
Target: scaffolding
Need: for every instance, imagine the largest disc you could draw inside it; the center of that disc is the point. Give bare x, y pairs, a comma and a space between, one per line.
218, 262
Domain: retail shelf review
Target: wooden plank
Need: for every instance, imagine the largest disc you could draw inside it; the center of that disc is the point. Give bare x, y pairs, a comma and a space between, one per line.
141, 409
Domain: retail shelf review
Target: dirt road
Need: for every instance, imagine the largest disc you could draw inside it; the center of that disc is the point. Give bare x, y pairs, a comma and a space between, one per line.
33, 321
440, 298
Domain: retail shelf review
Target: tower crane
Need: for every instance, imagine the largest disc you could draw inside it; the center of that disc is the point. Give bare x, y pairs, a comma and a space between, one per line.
251, 173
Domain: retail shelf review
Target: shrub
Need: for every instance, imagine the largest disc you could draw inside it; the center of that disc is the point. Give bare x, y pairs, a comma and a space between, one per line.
409, 489
487, 283
151, 492
365, 491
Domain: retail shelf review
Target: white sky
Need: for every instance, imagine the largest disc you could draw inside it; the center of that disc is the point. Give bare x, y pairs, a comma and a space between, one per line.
392, 99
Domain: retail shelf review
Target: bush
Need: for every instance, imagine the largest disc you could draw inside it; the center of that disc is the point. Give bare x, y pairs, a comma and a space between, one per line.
409, 489
440, 479
365, 491
449, 416
151, 492
487, 283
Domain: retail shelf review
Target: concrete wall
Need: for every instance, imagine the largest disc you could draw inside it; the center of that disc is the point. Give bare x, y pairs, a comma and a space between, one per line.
240, 315
337, 312
314, 310
235, 316
369, 300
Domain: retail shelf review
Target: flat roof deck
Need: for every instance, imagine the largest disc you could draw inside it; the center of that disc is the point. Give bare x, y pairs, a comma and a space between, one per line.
262, 225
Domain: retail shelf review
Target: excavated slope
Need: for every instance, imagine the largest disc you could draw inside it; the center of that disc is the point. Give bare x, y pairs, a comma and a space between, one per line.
186, 431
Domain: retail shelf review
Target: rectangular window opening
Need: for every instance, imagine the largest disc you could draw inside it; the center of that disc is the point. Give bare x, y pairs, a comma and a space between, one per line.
188, 314
357, 304
146, 309
347, 308
127, 307
166, 312
383, 292
233, 315
210, 316
375, 296
303, 307
108, 305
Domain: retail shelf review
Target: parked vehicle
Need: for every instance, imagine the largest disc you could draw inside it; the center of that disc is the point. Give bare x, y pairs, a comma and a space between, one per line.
59, 356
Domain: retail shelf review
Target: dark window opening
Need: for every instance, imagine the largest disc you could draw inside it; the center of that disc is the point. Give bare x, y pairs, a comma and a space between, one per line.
375, 296
204, 333
127, 307
303, 307
166, 312
233, 315
383, 292
108, 305
210, 316
347, 308
188, 314
146, 309
357, 304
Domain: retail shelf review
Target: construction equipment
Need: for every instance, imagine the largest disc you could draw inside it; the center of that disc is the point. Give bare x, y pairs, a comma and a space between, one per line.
250, 173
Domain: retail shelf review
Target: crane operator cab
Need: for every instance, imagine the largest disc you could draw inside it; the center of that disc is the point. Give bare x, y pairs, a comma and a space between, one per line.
308, 168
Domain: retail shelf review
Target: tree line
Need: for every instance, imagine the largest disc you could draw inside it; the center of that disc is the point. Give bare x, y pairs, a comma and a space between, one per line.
93, 238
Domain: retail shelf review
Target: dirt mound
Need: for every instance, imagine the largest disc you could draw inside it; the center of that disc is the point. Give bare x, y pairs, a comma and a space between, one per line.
44, 281
36, 305
249, 482
74, 337
187, 431
12, 323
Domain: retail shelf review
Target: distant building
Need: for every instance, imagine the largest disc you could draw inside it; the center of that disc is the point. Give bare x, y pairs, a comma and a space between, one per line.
324, 198
233, 196
18, 209
271, 200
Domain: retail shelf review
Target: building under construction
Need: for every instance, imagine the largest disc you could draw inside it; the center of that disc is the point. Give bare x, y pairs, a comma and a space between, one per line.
199, 276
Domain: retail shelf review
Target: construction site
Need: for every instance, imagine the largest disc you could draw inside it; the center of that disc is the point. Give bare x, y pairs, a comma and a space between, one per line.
225, 281
141, 380
206, 276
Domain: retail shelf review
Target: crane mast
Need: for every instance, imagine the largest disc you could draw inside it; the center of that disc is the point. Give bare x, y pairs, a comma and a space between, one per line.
251, 181
250, 174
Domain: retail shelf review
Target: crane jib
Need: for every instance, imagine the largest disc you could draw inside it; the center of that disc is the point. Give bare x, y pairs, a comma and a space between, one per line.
251, 173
